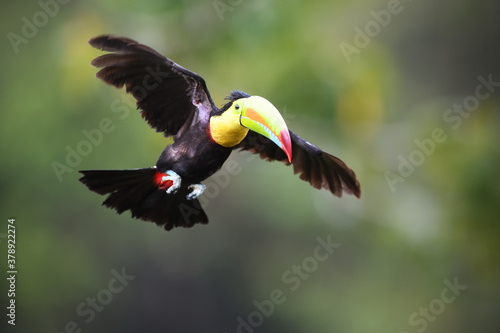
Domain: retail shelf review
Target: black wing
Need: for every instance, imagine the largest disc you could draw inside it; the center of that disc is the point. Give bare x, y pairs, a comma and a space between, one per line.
320, 169
171, 97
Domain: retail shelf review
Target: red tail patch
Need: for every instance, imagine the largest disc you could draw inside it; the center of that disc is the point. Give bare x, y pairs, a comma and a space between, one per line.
162, 185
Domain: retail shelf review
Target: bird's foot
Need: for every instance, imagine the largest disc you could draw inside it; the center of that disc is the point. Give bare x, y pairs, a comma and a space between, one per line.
197, 189
174, 178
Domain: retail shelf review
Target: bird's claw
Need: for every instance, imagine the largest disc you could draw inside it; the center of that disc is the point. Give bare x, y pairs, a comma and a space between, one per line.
197, 189
176, 181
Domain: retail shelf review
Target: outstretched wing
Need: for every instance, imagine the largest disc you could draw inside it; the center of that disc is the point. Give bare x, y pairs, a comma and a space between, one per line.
171, 97
313, 165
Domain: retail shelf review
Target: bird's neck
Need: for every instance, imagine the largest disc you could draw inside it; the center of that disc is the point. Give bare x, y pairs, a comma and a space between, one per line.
226, 129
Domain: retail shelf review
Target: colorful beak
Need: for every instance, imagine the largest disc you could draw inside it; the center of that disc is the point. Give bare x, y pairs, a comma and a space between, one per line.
260, 116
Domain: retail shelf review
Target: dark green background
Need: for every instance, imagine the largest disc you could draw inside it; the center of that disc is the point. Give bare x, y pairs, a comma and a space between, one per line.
397, 246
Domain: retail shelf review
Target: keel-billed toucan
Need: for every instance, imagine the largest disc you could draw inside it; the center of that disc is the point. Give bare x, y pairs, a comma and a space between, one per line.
176, 102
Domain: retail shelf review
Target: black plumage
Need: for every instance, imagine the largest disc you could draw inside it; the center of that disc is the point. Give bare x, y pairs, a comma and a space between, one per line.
176, 101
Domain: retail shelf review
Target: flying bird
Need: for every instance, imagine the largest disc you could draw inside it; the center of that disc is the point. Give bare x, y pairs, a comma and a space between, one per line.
176, 102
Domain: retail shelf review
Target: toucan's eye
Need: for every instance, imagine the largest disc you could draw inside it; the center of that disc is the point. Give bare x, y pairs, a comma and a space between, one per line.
237, 107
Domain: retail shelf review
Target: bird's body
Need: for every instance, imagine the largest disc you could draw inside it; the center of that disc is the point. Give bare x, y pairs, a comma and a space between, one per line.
193, 156
176, 101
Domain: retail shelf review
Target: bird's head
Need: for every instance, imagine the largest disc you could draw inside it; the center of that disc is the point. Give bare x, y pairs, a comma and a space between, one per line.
253, 113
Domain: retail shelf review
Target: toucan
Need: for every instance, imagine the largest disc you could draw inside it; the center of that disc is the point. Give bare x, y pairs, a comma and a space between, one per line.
176, 102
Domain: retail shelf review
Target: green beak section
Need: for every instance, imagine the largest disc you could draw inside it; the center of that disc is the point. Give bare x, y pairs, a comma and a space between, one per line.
260, 116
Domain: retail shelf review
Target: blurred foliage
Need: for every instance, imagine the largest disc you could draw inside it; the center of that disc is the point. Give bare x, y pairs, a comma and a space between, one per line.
396, 246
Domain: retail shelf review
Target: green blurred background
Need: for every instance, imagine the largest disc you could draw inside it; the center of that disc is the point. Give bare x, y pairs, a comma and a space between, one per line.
429, 212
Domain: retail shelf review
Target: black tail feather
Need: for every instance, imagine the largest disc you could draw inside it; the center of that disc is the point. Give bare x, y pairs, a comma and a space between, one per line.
137, 191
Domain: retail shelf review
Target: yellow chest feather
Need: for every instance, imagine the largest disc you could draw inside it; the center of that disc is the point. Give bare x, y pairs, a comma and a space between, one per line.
226, 129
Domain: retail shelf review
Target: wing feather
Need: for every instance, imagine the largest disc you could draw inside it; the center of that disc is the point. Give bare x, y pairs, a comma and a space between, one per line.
313, 165
169, 96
